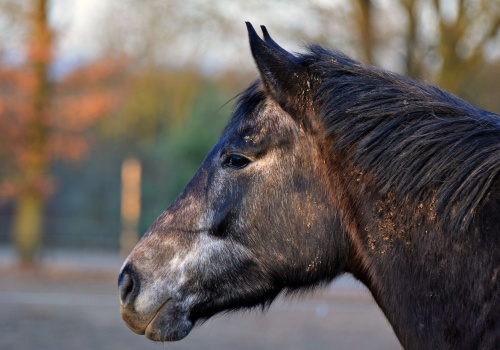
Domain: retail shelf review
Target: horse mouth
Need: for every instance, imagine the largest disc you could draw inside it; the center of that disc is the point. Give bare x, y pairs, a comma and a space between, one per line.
167, 323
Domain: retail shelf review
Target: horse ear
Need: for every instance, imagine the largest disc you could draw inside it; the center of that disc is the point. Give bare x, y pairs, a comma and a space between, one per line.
282, 73
273, 44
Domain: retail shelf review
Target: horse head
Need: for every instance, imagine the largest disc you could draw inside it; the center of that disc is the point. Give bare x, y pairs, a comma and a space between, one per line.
256, 219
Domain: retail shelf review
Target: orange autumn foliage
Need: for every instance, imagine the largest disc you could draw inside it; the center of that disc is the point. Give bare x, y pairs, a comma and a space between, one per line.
77, 102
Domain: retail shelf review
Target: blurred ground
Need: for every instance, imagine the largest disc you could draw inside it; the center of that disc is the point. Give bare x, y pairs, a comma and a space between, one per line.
71, 303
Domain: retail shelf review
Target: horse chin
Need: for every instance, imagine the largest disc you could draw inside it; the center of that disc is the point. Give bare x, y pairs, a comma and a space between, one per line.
168, 323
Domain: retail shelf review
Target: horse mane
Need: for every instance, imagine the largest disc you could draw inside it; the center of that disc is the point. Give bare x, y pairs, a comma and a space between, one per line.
418, 141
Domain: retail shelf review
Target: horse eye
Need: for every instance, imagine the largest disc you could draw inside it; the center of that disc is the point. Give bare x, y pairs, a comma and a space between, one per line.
236, 161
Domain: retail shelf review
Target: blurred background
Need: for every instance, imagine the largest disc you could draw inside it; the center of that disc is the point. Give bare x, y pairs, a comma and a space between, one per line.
107, 108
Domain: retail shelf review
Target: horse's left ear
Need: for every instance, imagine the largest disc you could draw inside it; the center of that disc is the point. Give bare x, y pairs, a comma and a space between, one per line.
282, 73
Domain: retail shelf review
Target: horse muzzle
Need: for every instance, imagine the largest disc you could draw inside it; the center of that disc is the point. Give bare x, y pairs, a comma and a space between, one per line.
163, 320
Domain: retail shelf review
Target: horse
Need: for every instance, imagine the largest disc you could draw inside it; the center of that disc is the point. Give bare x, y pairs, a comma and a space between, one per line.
330, 166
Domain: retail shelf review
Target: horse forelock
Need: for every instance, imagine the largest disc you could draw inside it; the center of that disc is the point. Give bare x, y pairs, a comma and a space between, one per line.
418, 141
257, 115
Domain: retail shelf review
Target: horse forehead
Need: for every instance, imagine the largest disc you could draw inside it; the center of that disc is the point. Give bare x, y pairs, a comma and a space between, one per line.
267, 118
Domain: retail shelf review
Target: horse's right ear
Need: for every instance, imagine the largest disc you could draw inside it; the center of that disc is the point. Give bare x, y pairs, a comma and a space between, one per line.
281, 72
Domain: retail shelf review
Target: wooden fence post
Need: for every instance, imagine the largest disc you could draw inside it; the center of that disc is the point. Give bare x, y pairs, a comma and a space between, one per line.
130, 204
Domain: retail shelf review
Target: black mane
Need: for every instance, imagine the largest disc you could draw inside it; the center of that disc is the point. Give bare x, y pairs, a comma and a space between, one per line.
419, 141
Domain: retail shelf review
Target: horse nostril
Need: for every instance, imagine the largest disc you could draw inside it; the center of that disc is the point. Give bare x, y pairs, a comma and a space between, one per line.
128, 286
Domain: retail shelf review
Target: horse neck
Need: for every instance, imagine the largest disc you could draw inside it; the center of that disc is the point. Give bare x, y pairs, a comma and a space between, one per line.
426, 279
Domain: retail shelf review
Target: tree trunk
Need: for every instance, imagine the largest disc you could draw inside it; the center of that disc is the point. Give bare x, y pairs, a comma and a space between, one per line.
28, 216
28, 224
367, 31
